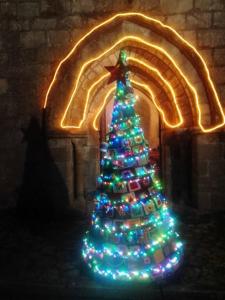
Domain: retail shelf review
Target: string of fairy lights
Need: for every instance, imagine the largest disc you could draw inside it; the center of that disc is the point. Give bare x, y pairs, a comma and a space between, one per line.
133, 234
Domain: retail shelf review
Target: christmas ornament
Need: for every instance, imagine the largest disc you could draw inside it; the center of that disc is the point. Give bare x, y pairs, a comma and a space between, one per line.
133, 234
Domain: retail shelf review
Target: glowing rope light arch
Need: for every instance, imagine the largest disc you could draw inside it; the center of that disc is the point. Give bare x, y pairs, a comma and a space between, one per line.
166, 82
177, 37
139, 84
86, 101
140, 40
152, 69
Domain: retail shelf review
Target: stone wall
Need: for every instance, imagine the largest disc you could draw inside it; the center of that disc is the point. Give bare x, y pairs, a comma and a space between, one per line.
75, 159
209, 171
35, 34
194, 165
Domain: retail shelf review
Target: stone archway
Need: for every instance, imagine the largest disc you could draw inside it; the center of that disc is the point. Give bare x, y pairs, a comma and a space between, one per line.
165, 68
147, 38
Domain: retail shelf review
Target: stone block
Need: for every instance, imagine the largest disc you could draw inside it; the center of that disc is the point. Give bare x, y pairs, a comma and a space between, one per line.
221, 91
63, 168
219, 56
66, 5
207, 55
76, 34
91, 6
204, 200
204, 183
219, 19
58, 37
43, 70
88, 6
209, 5
176, 6
198, 20
176, 21
91, 75
3, 58
61, 154
143, 5
3, 86
8, 9
44, 24
205, 139
218, 74
32, 39
54, 8
47, 9
70, 22
218, 201
202, 168
217, 168
28, 9
56, 143
190, 36
211, 38
3, 25
19, 25
47, 54
209, 152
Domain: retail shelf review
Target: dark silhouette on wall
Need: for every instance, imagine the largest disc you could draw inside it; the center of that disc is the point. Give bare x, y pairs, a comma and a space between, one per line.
43, 193
181, 167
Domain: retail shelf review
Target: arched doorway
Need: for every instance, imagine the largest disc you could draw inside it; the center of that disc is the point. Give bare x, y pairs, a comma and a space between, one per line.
150, 121
165, 66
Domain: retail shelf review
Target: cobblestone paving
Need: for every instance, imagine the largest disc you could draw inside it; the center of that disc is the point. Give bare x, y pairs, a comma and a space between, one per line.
49, 253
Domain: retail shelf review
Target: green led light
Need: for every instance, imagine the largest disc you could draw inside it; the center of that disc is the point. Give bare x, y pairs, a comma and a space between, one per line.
133, 236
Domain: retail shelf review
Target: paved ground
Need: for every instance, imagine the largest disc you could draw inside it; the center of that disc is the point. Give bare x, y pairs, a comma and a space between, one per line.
41, 260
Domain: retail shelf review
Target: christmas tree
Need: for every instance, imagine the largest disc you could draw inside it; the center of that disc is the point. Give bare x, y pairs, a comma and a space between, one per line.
133, 233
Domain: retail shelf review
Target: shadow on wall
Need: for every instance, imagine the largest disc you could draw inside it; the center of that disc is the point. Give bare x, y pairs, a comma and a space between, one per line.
181, 168
43, 193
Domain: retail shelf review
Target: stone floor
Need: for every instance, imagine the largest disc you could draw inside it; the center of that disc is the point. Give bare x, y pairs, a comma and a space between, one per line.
41, 260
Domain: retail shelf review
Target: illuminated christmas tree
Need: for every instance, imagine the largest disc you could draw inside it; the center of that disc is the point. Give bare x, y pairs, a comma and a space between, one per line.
133, 235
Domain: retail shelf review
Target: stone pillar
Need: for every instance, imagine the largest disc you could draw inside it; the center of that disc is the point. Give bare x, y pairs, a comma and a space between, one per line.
176, 165
80, 151
85, 171
166, 170
194, 169
209, 171
92, 167
76, 164
61, 172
